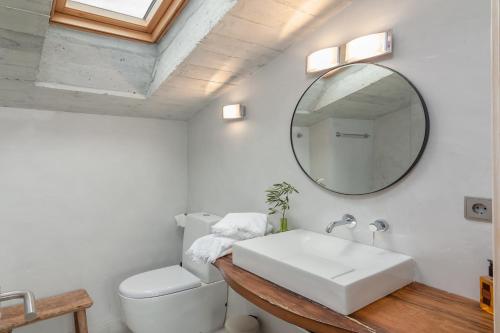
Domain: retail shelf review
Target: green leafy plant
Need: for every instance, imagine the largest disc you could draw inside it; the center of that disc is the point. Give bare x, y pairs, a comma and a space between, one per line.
278, 200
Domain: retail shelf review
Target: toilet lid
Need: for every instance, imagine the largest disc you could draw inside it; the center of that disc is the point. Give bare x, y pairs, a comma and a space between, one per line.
159, 282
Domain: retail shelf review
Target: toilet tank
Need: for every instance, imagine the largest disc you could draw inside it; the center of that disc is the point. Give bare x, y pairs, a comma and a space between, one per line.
199, 225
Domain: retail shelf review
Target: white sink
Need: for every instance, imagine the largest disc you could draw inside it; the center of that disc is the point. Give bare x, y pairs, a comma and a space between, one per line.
342, 275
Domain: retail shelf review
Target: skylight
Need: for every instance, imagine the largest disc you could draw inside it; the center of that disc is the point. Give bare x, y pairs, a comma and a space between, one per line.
144, 20
134, 8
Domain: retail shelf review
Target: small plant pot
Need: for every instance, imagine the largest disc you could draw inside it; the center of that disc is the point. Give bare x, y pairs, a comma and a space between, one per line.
283, 224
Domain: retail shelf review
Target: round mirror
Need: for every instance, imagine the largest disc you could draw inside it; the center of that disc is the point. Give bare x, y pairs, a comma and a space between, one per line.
359, 129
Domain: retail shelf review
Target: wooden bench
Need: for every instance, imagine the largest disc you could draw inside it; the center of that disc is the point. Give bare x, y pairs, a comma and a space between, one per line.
76, 302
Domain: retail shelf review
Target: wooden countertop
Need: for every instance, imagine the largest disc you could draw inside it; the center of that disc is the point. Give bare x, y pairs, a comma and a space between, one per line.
412, 309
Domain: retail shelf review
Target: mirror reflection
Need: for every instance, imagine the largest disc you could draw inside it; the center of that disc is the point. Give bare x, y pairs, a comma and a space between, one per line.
359, 129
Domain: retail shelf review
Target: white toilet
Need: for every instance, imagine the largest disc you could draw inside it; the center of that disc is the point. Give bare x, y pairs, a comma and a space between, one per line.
175, 299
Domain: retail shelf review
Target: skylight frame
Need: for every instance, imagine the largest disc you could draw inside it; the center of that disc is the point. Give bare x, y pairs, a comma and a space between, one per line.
85, 17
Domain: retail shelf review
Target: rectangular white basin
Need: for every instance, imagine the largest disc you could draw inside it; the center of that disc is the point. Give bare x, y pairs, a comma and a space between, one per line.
339, 274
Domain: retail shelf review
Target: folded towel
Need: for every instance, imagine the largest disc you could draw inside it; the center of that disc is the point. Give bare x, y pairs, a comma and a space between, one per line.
208, 248
233, 227
242, 226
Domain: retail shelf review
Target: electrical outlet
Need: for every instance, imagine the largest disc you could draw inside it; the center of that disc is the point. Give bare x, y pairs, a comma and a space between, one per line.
478, 209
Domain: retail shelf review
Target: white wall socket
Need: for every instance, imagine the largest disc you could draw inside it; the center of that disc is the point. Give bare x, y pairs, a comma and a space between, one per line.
478, 209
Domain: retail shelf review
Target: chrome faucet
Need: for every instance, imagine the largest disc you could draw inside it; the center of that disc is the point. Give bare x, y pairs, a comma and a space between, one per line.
28, 298
347, 219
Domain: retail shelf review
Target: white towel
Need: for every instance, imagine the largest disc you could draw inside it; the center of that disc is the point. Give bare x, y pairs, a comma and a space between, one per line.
208, 248
242, 226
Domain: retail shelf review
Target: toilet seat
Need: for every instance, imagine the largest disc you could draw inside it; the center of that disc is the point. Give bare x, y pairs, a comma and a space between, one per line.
196, 310
159, 282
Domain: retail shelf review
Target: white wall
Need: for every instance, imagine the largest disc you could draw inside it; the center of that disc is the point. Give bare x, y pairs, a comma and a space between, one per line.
302, 147
393, 152
322, 161
86, 201
344, 164
442, 46
398, 137
352, 157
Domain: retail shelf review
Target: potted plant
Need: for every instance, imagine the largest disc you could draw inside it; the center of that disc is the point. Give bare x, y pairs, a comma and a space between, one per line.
277, 198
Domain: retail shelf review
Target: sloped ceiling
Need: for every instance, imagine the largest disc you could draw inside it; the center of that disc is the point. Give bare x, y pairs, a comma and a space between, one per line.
212, 46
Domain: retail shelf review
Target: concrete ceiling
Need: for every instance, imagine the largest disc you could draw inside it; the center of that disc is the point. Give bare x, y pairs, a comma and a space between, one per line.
211, 47
366, 93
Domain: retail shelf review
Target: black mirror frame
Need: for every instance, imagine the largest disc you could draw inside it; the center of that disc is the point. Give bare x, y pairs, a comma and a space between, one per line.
417, 159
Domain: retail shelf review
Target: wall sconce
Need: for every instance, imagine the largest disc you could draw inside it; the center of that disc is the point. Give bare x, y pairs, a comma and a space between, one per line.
233, 112
361, 48
323, 59
369, 46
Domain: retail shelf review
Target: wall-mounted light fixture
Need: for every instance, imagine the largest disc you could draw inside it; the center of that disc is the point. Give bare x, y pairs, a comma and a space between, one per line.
361, 48
369, 46
233, 112
323, 59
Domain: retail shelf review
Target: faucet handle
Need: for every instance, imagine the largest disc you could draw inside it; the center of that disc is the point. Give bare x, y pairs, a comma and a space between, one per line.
378, 225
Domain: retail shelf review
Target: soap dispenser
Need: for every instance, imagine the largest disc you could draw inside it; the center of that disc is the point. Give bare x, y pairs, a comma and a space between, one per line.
486, 288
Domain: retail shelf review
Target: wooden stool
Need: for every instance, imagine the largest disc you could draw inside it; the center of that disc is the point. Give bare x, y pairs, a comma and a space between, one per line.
76, 302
